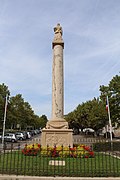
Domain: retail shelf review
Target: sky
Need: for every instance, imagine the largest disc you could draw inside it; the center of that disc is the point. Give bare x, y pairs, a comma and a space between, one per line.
91, 33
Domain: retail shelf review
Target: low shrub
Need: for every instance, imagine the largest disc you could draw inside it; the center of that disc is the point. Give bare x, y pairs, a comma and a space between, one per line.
106, 146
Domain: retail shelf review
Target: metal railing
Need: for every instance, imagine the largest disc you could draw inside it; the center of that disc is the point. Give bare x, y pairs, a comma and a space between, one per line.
100, 159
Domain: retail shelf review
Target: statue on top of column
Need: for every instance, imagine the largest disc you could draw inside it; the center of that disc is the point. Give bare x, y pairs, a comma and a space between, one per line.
58, 33
58, 29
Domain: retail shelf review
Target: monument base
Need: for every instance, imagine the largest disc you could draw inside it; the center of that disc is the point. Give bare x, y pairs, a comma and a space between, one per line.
57, 137
57, 123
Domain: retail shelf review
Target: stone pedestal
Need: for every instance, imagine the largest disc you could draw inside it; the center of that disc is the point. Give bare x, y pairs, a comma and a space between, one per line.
57, 137
57, 132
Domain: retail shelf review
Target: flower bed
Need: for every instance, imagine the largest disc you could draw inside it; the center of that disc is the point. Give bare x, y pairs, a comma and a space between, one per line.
31, 150
80, 151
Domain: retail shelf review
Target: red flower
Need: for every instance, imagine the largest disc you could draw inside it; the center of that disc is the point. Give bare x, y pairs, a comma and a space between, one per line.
72, 149
87, 148
91, 153
39, 145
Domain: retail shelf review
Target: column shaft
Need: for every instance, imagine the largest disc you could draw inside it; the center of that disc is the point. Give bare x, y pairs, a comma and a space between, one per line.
57, 83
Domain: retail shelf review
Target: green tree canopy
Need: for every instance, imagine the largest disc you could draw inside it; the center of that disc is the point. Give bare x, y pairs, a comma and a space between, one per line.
89, 114
19, 112
113, 93
92, 113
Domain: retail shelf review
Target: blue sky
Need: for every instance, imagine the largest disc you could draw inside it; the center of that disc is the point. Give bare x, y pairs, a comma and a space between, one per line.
91, 33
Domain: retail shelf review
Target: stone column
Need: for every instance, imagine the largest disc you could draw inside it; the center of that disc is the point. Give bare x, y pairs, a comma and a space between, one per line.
57, 120
57, 81
56, 131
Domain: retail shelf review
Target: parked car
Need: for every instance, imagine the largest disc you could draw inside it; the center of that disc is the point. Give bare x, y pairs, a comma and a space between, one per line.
10, 137
35, 132
88, 131
31, 132
25, 134
75, 130
105, 131
20, 136
29, 135
40, 130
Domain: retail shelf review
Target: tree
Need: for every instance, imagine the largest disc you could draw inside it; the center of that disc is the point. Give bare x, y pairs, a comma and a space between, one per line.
113, 92
43, 120
20, 112
89, 114
16, 110
92, 113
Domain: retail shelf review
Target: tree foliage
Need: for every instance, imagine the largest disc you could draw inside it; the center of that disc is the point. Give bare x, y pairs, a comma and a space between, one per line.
93, 113
89, 114
19, 113
113, 93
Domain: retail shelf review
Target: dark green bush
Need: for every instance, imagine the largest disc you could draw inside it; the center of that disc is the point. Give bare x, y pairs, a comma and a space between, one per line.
106, 146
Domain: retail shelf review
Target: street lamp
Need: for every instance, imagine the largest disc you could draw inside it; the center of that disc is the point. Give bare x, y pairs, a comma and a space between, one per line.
6, 101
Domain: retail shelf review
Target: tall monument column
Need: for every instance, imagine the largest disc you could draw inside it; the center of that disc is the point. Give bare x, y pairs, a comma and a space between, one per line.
57, 120
57, 75
56, 131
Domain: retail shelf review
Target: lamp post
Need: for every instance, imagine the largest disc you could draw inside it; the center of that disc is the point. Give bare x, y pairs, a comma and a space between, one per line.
4, 120
110, 124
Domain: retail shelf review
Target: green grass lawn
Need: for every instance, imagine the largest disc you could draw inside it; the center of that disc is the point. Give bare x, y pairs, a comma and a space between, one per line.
101, 165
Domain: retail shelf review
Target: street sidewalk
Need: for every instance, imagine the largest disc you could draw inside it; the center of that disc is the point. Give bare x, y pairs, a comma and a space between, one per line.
12, 177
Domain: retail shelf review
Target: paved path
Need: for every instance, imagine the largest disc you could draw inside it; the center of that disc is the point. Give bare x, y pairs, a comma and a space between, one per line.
7, 177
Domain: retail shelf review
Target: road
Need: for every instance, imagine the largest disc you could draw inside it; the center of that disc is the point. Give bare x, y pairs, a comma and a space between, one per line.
21, 144
77, 139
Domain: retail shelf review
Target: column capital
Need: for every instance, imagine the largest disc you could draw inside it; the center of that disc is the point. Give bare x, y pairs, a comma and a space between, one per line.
54, 43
